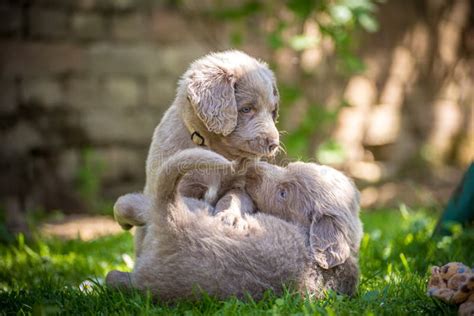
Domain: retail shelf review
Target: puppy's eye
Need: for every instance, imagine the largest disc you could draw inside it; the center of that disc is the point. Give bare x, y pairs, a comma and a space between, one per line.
246, 109
282, 193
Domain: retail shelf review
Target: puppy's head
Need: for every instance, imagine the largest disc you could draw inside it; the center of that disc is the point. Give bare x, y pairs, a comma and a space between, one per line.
235, 97
314, 196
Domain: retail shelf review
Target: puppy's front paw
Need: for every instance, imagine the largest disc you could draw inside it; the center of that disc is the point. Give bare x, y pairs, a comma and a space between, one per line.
234, 220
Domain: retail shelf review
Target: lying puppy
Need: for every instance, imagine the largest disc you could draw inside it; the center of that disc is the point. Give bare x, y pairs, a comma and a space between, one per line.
226, 102
314, 196
314, 249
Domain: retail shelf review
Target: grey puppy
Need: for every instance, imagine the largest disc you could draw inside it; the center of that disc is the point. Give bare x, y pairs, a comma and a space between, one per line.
310, 243
226, 102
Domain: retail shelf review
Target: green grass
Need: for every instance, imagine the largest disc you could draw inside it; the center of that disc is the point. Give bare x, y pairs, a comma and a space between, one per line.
396, 253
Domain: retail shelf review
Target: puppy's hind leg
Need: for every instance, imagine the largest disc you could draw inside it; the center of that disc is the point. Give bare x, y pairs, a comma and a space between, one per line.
118, 280
132, 210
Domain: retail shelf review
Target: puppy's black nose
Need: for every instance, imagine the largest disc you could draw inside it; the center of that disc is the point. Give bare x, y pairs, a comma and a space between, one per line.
273, 145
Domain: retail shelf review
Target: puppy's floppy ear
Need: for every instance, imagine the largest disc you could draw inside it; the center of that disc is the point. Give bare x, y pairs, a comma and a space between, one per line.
211, 93
328, 242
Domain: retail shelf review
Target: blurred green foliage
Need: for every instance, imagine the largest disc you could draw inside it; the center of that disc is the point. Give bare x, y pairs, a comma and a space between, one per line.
337, 22
5, 235
88, 176
89, 182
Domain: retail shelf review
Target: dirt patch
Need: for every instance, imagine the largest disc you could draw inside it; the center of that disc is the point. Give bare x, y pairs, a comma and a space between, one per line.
81, 226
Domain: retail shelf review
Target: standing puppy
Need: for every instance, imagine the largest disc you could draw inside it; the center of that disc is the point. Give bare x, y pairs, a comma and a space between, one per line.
226, 102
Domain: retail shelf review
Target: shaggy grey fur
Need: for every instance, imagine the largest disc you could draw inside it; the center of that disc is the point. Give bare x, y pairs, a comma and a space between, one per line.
231, 100
310, 241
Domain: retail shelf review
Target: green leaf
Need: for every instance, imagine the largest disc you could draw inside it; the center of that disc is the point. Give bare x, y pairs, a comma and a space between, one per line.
274, 40
330, 152
301, 42
340, 14
236, 38
368, 22
303, 8
353, 64
370, 295
365, 5
236, 13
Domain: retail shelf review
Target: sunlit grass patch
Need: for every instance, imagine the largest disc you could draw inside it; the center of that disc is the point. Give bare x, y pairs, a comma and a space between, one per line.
397, 250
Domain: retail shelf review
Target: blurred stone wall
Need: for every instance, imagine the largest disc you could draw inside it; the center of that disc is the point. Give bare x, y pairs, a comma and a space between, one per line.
83, 84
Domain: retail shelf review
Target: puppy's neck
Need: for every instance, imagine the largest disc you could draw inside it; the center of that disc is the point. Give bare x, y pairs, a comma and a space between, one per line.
197, 131
197, 134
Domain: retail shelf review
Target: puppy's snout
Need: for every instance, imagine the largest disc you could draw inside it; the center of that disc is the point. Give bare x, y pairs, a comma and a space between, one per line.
272, 139
272, 145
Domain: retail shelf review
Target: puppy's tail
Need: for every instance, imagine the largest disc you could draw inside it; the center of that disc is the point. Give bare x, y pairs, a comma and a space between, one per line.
171, 172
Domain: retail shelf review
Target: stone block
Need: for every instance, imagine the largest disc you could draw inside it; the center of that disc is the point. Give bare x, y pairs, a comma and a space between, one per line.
68, 4
175, 59
132, 126
130, 26
106, 58
8, 97
169, 26
68, 165
21, 139
160, 91
103, 5
48, 23
118, 4
83, 92
121, 92
37, 59
111, 191
120, 163
88, 25
11, 18
42, 92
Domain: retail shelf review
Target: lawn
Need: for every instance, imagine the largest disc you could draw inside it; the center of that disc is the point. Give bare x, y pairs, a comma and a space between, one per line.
397, 251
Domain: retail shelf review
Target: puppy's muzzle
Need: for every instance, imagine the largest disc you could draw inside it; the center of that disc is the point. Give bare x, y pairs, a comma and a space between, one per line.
266, 146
